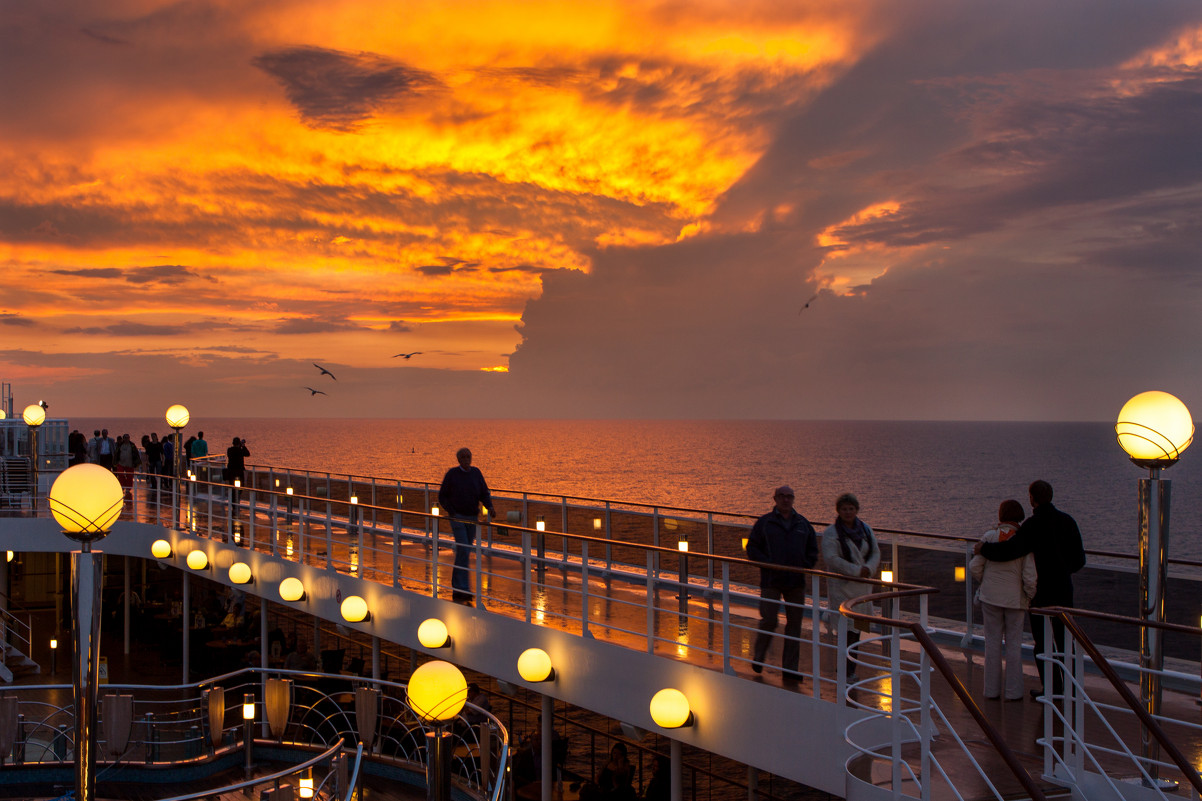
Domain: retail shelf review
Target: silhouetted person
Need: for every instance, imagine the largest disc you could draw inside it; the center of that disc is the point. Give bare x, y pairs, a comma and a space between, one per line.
462, 493
782, 537
1055, 540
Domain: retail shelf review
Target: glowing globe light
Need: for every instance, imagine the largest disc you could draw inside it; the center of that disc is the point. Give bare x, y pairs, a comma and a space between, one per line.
354, 609
535, 665
240, 573
432, 633
292, 589
670, 709
86, 500
3, 414
1154, 428
10, 556
198, 560
437, 691
160, 549
177, 416
34, 415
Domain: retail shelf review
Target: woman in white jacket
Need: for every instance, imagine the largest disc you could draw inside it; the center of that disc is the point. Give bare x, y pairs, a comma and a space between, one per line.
849, 547
1005, 590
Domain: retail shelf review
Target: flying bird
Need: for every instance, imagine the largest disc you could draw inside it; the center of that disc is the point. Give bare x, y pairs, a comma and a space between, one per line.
407, 355
324, 371
314, 391
808, 302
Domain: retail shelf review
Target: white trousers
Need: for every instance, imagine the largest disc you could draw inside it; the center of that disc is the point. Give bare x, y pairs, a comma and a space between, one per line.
1003, 624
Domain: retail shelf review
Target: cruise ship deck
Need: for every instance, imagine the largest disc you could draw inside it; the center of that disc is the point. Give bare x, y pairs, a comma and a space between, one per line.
646, 598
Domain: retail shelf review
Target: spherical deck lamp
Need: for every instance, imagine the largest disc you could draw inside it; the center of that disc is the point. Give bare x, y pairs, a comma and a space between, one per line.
354, 609
534, 665
292, 589
437, 692
432, 633
86, 500
1153, 428
670, 709
240, 573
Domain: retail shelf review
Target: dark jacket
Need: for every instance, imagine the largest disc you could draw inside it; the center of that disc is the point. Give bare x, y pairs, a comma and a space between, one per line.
1055, 540
463, 491
791, 542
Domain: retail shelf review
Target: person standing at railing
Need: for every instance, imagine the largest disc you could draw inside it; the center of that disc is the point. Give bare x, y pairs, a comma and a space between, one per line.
199, 448
1005, 590
462, 493
154, 458
1055, 540
235, 464
782, 537
128, 460
850, 548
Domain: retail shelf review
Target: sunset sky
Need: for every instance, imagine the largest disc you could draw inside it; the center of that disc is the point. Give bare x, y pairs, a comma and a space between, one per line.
601, 209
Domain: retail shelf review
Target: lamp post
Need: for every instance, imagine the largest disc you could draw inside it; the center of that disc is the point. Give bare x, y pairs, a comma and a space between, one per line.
86, 500
34, 415
437, 692
177, 417
1153, 428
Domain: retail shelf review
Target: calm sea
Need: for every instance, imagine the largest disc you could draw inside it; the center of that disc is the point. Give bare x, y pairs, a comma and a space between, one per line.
940, 477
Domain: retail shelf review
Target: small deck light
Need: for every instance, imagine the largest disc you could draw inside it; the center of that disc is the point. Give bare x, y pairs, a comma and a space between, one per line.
198, 560
160, 549
240, 573
354, 609
292, 589
535, 665
432, 633
670, 709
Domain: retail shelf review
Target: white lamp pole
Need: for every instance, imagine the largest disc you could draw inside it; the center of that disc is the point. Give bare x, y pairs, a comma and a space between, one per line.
437, 692
86, 500
34, 415
1153, 428
177, 418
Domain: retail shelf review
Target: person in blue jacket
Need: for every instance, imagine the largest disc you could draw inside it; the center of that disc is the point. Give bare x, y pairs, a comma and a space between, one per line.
782, 537
462, 493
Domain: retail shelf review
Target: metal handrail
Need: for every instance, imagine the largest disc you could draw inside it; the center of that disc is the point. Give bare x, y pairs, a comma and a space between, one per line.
626, 505
1068, 615
279, 774
945, 669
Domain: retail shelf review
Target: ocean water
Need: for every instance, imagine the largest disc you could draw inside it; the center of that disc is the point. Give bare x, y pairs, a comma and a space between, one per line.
937, 477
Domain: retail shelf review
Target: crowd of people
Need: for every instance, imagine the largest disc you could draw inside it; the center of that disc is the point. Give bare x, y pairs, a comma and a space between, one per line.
155, 458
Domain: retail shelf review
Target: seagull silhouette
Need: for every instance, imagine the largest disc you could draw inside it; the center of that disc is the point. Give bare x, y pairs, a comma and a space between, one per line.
808, 302
314, 391
324, 371
408, 355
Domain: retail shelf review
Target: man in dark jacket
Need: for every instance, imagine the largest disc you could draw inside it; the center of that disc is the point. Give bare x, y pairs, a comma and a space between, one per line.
462, 493
1055, 540
782, 537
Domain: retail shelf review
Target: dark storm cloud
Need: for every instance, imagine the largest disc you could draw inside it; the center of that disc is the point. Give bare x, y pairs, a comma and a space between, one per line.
1027, 167
169, 274
449, 265
531, 269
314, 325
16, 320
1050, 154
339, 90
133, 330
106, 39
400, 327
